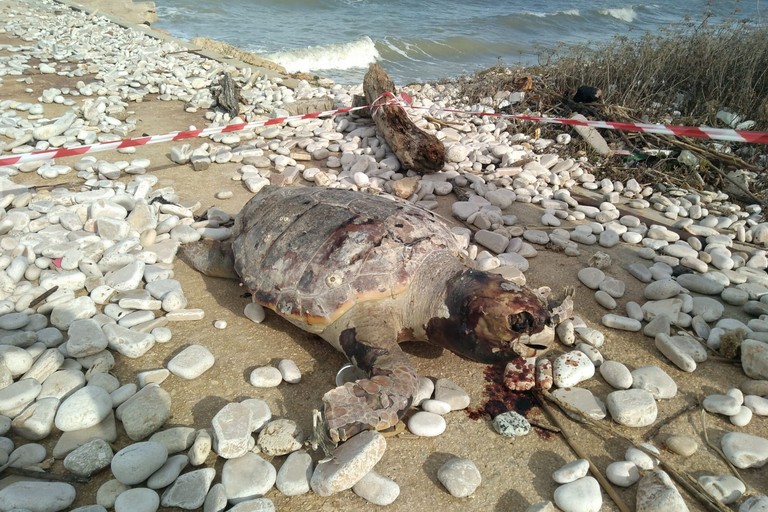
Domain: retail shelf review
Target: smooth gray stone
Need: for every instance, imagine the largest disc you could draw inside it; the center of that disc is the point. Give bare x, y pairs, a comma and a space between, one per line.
377, 489
172, 468
37, 496
459, 476
84, 408
14, 398
89, 458
654, 380
136, 462
145, 412
745, 450
295, 473
247, 477
350, 462
700, 283
632, 407
232, 427
36, 421
256, 505
216, 500
175, 439
138, 499
189, 490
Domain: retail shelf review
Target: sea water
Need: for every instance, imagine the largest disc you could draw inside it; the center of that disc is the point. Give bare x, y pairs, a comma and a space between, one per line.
426, 40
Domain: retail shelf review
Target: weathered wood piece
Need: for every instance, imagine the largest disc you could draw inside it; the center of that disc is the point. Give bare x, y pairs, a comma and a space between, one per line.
228, 95
417, 150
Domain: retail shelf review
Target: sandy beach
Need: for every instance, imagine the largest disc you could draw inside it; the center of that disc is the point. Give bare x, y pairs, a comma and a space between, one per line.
516, 472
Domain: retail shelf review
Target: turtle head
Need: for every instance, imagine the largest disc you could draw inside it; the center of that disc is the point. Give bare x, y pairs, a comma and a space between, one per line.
490, 319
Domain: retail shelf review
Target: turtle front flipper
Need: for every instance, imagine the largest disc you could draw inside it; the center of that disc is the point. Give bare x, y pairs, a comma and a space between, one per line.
375, 403
211, 257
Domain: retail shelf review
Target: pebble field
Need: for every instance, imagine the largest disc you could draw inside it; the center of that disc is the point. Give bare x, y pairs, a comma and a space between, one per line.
91, 289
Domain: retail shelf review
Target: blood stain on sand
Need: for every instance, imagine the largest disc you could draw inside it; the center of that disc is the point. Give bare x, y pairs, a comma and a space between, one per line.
501, 399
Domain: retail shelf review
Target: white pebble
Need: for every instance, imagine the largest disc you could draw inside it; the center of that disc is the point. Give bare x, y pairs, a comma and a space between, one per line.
426, 424
571, 471
265, 377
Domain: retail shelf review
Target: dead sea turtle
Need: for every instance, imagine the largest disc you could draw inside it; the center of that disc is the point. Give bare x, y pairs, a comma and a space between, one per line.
364, 273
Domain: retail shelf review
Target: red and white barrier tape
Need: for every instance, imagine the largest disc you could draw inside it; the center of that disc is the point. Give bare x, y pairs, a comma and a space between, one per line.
402, 100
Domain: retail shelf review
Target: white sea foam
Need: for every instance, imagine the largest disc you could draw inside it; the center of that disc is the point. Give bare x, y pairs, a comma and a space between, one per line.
627, 14
567, 12
354, 54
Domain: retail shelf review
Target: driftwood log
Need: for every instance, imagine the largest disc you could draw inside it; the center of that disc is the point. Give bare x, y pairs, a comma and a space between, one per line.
228, 95
417, 150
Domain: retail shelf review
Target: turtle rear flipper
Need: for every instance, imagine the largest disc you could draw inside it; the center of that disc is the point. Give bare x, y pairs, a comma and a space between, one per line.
375, 403
211, 257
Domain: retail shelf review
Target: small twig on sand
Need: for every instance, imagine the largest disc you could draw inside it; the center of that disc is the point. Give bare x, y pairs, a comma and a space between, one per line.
442, 122
40, 475
604, 483
655, 430
40, 298
544, 426
714, 446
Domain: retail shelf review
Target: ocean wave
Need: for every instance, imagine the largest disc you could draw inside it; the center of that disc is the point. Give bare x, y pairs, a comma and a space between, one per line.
349, 55
448, 49
566, 12
627, 14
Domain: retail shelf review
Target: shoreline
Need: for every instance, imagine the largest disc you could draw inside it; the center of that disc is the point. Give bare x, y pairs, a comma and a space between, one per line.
222, 174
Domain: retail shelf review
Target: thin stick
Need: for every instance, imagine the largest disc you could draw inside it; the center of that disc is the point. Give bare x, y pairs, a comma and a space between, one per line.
40, 475
655, 430
544, 426
40, 298
714, 446
604, 483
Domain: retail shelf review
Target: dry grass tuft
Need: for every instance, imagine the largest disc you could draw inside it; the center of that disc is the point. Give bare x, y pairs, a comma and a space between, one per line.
696, 69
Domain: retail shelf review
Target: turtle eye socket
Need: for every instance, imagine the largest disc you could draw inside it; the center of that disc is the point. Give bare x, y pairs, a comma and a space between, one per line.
520, 322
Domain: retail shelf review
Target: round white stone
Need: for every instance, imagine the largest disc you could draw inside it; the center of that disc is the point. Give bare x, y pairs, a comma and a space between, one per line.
435, 406
84, 408
591, 277
426, 424
289, 370
377, 489
255, 312
616, 374
265, 377
632, 407
571, 471
582, 495
191, 362
622, 473
571, 368
459, 476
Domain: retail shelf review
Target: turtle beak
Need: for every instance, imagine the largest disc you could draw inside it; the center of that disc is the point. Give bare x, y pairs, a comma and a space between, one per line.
561, 308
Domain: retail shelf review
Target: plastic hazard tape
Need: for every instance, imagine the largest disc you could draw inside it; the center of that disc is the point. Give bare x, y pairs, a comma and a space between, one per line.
388, 99
699, 132
50, 154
